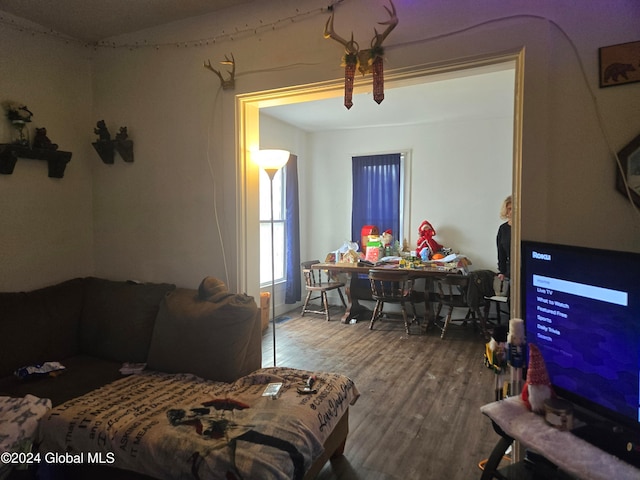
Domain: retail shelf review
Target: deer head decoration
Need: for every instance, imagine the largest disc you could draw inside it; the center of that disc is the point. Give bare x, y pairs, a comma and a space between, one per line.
229, 82
366, 61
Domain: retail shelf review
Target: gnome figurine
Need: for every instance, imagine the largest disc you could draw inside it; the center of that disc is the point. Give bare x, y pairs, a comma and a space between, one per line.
537, 388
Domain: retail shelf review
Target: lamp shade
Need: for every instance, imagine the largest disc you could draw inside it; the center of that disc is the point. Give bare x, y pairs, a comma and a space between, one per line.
272, 159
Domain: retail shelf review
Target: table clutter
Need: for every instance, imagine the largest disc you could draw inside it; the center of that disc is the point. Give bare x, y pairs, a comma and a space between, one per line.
380, 249
430, 261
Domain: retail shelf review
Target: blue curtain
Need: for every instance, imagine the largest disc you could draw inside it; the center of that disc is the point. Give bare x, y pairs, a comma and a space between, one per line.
376, 194
293, 287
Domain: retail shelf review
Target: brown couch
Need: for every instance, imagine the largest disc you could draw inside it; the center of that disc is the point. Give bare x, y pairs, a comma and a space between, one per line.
92, 326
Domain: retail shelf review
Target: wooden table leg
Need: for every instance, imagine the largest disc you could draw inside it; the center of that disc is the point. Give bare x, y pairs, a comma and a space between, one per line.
355, 292
429, 316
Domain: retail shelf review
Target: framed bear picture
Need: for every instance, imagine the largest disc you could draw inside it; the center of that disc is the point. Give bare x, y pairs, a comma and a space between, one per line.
619, 64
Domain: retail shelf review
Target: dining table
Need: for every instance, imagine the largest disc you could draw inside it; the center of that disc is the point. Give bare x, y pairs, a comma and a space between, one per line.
358, 288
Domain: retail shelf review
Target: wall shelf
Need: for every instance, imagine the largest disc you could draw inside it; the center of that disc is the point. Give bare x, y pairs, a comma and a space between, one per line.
107, 148
57, 160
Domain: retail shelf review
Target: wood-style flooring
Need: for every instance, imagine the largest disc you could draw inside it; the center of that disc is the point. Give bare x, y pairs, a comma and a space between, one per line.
418, 416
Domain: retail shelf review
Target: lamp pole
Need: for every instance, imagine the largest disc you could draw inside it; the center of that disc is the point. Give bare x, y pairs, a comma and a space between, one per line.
271, 161
272, 172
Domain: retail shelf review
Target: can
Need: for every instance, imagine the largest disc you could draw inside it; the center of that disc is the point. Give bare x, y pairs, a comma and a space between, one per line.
558, 413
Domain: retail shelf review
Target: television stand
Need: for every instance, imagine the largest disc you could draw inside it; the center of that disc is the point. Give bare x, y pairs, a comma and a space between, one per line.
611, 439
571, 456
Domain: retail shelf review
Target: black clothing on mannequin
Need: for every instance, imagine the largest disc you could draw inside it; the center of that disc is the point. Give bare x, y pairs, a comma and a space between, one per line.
503, 241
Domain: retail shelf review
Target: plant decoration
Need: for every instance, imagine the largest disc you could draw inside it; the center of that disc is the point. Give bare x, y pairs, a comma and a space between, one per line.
19, 115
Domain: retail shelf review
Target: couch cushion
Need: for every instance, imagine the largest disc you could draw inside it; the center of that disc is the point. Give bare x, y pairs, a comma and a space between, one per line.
83, 373
215, 340
39, 326
118, 317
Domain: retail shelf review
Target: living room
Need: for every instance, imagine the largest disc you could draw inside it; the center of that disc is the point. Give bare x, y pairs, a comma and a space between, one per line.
177, 213
153, 219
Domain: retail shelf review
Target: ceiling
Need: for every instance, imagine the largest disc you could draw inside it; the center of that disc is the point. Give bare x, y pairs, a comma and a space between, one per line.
483, 93
93, 20
473, 93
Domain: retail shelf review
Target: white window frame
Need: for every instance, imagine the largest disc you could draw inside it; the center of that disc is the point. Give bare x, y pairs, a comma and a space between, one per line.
279, 224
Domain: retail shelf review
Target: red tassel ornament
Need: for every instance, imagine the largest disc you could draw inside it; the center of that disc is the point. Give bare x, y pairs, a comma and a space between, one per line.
378, 79
351, 61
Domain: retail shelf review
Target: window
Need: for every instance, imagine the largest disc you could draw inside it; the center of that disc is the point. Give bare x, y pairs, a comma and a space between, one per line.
279, 216
377, 194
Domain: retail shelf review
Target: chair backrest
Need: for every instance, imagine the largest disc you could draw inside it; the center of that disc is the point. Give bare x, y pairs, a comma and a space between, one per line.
309, 263
309, 274
390, 285
452, 288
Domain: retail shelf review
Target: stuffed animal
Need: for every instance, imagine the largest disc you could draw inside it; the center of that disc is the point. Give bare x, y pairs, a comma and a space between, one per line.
386, 238
426, 232
42, 141
537, 388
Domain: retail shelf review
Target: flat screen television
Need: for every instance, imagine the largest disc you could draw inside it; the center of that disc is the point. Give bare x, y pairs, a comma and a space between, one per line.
581, 307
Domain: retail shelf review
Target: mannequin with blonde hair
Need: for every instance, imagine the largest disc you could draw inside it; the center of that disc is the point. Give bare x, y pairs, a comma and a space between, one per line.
503, 240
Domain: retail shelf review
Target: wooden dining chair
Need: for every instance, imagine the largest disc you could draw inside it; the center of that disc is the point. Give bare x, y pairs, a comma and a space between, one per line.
500, 299
452, 294
390, 286
316, 285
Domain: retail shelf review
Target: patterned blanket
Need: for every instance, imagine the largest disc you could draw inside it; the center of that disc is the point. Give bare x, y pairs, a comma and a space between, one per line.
18, 424
174, 426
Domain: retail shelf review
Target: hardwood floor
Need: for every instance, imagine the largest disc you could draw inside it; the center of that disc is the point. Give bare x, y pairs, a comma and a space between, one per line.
418, 415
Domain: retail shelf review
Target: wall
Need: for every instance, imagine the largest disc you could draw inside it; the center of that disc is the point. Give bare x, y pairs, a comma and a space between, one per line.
459, 174
163, 217
46, 224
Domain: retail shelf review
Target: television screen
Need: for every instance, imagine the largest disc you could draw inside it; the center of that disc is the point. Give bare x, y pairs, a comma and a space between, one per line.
582, 309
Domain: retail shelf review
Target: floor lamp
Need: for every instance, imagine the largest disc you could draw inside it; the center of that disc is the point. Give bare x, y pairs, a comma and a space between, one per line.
271, 161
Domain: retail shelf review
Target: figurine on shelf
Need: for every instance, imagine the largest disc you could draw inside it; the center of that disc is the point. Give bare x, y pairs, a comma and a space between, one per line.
102, 131
104, 145
42, 141
124, 145
122, 135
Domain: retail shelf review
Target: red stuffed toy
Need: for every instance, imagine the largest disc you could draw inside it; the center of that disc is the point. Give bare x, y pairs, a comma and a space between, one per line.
426, 232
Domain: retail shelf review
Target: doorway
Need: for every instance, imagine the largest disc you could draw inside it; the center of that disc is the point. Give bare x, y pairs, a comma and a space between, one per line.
249, 107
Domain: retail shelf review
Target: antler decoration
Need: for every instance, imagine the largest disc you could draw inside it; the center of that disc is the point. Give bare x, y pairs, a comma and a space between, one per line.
365, 61
231, 81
